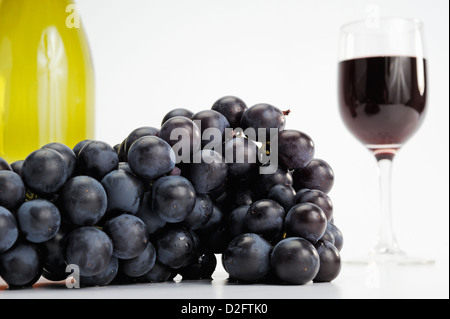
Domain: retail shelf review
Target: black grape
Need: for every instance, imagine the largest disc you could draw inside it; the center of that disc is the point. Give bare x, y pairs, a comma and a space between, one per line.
201, 213
263, 116
236, 221
216, 122
9, 231
96, 159
306, 220
77, 148
295, 149
208, 172
124, 191
44, 171
129, 235
53, 254
39, 220
202, 268
318, 174
266, 218
241, 155
173, 198
84, 200
285, 195
337, 234
12, 192
150, 157
330, 262
317, 197
103, 278
21, 265
174, 247
4, 165
141, 264
294, 260
67, 153
266, 181
148, 216
183, 135
90, 249
138, 133
17, 167
247, 257
177, 112
232, 108
158, 273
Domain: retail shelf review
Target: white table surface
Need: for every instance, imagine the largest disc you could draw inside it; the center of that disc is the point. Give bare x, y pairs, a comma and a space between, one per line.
354, 282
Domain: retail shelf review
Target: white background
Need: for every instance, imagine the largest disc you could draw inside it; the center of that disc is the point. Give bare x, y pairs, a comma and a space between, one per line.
151, 56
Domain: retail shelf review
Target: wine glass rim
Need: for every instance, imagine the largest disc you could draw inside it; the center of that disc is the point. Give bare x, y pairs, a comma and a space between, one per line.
413, 21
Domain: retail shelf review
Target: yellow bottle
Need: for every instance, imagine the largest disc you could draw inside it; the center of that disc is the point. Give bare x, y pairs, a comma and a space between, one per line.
47, 91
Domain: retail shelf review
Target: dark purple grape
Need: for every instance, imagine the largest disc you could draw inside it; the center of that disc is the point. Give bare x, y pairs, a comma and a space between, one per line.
141, 264
148, 216
306, 220
183, 135
84, 200
338, 237
247, 257
159, 273
151, 157
138, 133
201, 213
177, 112
21, 265
241, 155
96, 159
12, 190
174, 247
208, 172
330, 262
284, 195
9, 232
202, 268
232, 108
39, 220
67, 153
318, 174
44, 171
213, 127
90, 249
103, 278
124, 191
236, 221
266, 218
295, 261
53, 255
129, 235
295, 149
265, 182
173, 198
317, 197
77, 148
263, 116
17, 167
4, 165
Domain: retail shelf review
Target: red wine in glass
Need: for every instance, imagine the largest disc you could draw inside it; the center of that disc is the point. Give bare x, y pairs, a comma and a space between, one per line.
382, 100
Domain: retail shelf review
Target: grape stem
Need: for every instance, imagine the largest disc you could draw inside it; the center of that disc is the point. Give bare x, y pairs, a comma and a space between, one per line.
286, 113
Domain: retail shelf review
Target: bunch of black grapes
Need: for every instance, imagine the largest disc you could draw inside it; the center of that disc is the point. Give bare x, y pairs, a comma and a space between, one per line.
229, 180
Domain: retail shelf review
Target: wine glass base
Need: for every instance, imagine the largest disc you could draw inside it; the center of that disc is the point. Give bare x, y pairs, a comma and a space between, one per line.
386, 257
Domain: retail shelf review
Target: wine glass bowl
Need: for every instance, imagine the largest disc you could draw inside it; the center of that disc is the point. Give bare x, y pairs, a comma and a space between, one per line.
382, 92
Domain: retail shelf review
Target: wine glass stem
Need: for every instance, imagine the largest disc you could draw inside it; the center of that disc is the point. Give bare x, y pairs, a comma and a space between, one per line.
386, 242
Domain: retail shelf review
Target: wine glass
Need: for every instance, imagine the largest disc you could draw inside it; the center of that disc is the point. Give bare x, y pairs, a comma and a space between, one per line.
382, 100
